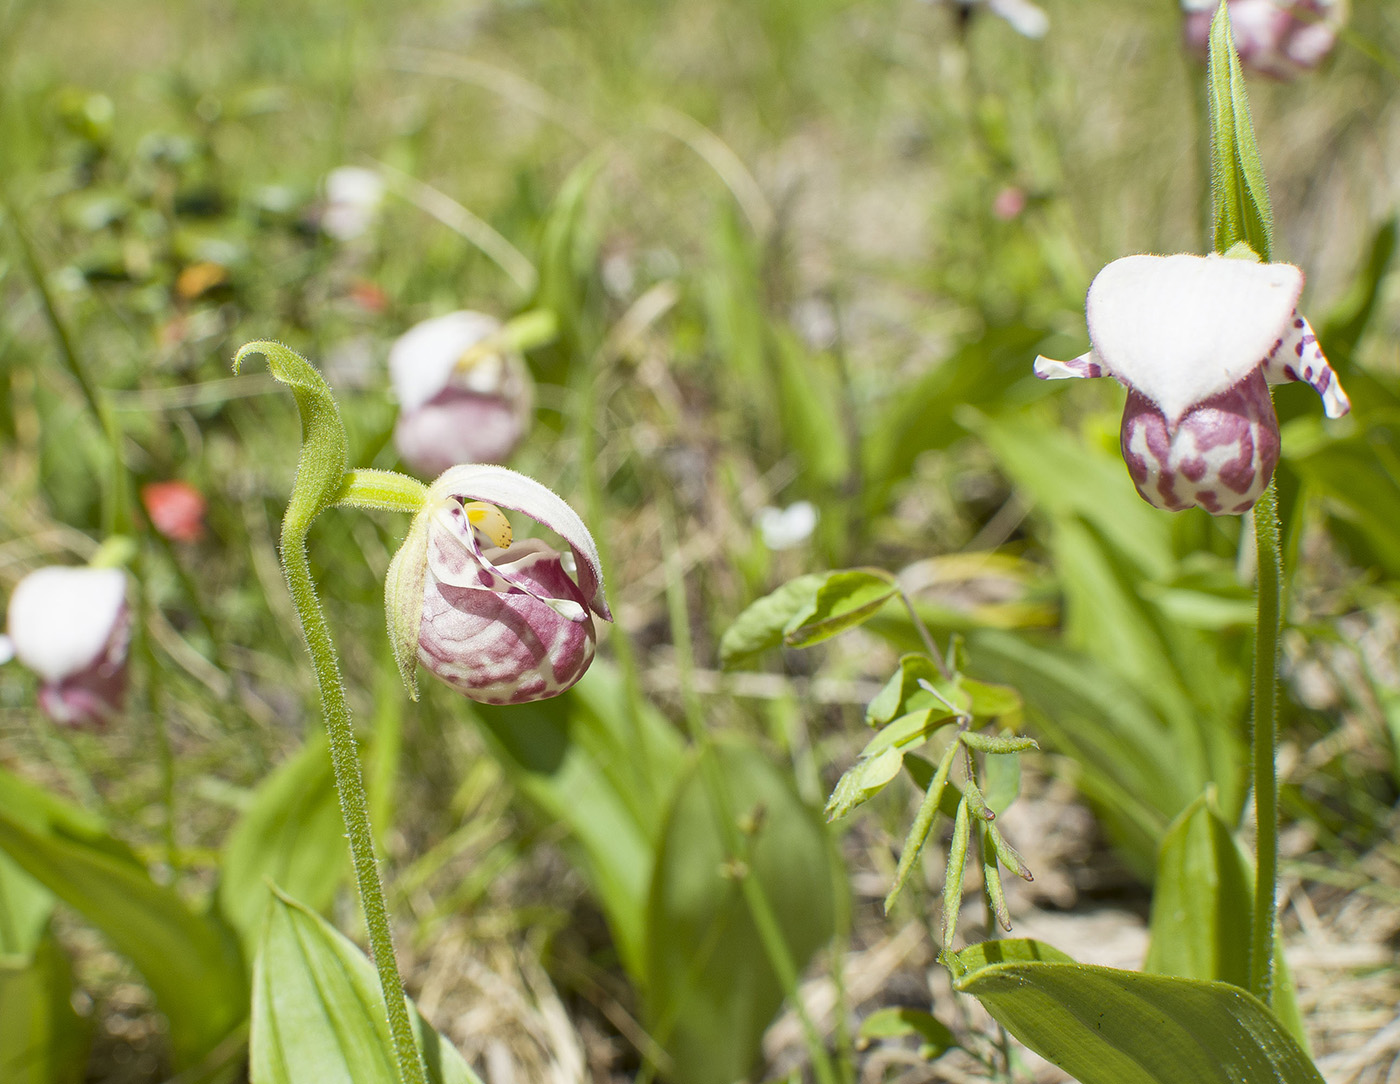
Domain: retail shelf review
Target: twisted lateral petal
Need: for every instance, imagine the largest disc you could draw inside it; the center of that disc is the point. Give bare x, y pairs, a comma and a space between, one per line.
1180, 329
1086, 365
509, 489
1296, 356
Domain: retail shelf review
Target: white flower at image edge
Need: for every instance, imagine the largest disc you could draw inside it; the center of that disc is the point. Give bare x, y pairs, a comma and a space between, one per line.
501, 620
464, 396
71, 626
1197, 340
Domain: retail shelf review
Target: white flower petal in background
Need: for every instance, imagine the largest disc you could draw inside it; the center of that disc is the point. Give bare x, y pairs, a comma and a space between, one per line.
1025, 18
784, 528
7, 649
462, 399
71, 626
60, 619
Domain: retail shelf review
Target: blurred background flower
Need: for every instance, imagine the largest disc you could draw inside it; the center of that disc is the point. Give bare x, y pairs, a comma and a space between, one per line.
1279, 38
464, 396
71, 626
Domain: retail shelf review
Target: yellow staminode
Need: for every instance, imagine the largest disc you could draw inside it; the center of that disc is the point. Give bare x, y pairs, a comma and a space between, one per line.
490, 521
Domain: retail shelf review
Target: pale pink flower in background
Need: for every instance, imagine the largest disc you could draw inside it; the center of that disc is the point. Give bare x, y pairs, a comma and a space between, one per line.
464, 395
1279, 38
501, 620
1197, 340
1009, 203
71, 626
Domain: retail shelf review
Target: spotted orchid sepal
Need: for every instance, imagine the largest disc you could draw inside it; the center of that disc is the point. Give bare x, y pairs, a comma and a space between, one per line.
1196, 340
501, 620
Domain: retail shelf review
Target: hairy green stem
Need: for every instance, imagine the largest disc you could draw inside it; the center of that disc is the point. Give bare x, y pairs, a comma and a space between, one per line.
354, 805
1266, 634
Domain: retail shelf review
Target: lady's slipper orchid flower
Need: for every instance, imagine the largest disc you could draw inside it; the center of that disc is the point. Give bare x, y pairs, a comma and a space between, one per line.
500, 620
1197, 340
465, 396
1279, 38
71, 626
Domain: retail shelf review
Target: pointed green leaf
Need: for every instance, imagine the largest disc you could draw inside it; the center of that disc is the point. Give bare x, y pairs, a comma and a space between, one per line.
843, 601
176, 949
1105, 1026
1242, 210
897, 1022
761, 626
903, 693
318, 1014
1202, 904
292, 835
863, 780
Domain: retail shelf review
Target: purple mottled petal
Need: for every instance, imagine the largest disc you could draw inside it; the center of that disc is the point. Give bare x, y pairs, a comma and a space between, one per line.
505, 647
508, 489
1297, 356
1085, 365
1220, 456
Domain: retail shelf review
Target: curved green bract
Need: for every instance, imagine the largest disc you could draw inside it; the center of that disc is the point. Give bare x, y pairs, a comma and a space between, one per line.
324, 455
1241, 196
1106, 1026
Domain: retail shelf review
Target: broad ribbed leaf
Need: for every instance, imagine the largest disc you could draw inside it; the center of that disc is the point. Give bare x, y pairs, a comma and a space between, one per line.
42, 1040
1105, 1026
710, 989
191, 961
292, 835
605, 767
318, 1014
1202, 902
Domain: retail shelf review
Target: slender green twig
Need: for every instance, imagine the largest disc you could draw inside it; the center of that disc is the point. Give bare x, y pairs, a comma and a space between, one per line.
1265, 726
760, 908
